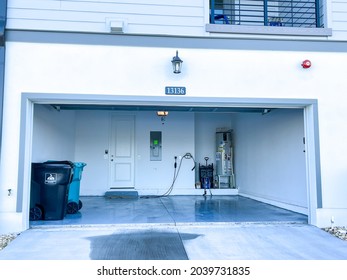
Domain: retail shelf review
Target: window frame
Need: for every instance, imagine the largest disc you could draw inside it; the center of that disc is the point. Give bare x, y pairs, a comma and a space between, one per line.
268, 30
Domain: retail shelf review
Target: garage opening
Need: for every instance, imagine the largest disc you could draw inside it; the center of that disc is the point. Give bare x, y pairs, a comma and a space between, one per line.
269, 149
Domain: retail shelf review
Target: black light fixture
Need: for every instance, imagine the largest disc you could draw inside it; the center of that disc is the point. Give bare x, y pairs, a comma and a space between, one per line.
176, 64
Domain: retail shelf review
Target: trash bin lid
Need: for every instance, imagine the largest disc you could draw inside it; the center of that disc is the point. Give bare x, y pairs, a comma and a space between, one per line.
79, 164
62, 162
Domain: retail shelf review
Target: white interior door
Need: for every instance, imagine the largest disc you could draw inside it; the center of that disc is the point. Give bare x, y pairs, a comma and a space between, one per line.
122, 152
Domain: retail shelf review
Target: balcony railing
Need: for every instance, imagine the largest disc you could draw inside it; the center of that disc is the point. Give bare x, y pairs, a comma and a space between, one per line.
288, 13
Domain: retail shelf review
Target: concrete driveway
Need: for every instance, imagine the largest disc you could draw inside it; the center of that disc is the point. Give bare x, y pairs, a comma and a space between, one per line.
222, 241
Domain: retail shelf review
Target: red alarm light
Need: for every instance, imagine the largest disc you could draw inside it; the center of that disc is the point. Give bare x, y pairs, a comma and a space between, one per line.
306, 64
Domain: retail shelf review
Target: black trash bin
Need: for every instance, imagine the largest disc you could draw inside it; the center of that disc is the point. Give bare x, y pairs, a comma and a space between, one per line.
74, 204
49, 190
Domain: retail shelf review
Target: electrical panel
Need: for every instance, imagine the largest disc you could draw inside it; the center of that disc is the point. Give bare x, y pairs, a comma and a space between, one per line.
155, 146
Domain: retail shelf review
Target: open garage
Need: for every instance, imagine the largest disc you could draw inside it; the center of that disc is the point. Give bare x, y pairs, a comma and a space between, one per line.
268, 140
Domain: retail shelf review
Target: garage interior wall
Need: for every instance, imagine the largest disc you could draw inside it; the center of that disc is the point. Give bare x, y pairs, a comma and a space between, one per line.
52, 134
269, 157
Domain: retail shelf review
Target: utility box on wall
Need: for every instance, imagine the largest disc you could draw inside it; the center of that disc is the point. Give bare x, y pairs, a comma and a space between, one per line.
155, 146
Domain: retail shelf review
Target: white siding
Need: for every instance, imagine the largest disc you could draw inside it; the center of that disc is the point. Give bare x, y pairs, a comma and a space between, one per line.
339, 19
153, 17
177, 17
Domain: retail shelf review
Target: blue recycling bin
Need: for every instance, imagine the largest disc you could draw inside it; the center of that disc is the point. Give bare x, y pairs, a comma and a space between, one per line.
74, 203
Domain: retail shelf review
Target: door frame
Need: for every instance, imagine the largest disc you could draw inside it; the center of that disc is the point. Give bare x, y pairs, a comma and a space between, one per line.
310, 106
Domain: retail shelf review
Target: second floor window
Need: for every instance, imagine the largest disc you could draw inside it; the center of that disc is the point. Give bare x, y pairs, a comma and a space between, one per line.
288, 13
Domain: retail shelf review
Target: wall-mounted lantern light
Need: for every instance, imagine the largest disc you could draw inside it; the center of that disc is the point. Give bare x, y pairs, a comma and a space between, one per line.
176, 64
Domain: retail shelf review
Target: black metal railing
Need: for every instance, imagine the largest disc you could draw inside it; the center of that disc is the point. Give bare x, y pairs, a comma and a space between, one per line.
289, 13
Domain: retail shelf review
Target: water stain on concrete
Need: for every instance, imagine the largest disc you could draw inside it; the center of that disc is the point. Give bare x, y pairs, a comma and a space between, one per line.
140, 245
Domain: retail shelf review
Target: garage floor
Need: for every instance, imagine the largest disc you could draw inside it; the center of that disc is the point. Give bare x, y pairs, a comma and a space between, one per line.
174, 210
176, 228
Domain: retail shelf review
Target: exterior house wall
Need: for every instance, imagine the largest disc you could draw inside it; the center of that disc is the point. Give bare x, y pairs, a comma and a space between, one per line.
337, 15
140, 17
103, 67
76, 69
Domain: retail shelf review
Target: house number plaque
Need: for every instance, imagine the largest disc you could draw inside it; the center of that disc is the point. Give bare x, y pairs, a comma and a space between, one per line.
175, 90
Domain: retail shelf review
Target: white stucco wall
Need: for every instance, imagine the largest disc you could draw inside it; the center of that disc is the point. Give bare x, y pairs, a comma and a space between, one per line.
112, 70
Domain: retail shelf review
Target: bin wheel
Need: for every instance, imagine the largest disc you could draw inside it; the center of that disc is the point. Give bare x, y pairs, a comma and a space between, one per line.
72, 208
80, 204
35, 213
